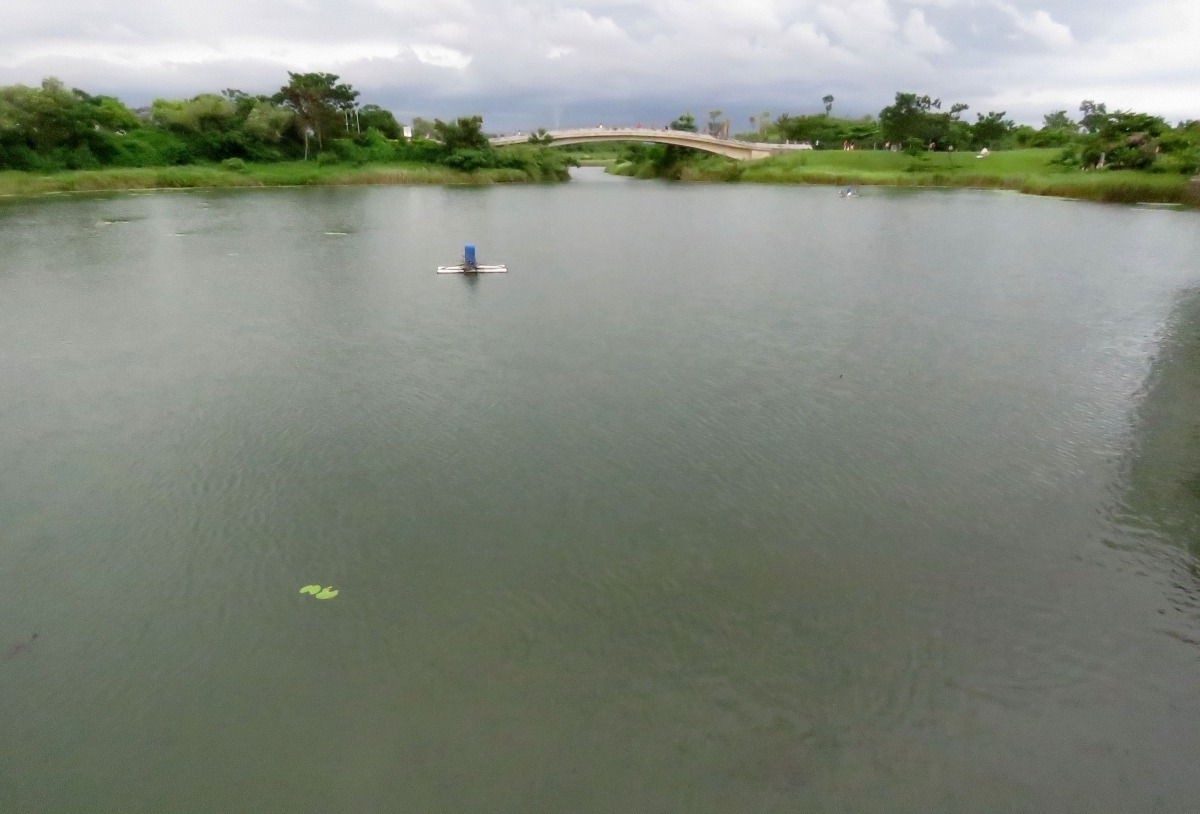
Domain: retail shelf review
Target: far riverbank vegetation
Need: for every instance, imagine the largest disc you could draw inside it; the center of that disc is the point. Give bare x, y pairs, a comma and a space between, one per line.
312, 131
315, 131
1101, 155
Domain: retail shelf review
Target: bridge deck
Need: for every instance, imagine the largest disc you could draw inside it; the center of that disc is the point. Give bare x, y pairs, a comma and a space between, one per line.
731, 148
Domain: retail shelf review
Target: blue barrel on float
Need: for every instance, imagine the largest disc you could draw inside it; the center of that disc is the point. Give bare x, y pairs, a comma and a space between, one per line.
469, 254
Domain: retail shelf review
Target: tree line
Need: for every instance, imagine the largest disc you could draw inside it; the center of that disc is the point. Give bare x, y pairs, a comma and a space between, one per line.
314, 116
917, 123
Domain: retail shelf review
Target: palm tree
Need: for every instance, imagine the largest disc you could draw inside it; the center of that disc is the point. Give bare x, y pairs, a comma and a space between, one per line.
828, 100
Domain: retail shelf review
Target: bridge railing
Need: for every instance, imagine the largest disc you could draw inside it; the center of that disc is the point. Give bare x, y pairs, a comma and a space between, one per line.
639, 131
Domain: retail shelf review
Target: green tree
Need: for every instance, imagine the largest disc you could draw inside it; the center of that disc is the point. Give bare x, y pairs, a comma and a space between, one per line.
209, 126
1058, 120
1123, 124
907, 117
267, 121
319, 102
243, 102
382, 120
206, 112
465, 133
824, 130
827, 99
464, 144
1122, 140
15, 150
912, 119
56, 118
684, 122
862, 132
990, 130
1131, 140
53, 127
1181, 149
1057, 130
1094, 115
108, 113
422, 128
666, 160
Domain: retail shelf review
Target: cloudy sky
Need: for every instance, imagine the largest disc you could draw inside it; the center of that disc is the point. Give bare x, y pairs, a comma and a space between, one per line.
530, 63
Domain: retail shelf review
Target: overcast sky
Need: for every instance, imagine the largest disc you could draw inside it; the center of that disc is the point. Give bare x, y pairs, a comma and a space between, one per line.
529, 63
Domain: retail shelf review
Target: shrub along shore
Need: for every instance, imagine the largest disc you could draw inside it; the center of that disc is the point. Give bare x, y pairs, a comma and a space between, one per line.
313, 131
1031, 171
292, 173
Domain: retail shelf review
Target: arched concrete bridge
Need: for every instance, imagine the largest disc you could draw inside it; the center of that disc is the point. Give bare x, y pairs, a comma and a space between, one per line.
738, 150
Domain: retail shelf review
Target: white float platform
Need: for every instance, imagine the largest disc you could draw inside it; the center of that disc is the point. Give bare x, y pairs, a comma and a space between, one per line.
481, 269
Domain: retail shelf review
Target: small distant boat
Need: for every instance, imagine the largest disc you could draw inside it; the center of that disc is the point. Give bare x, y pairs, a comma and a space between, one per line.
848, 192
469, 266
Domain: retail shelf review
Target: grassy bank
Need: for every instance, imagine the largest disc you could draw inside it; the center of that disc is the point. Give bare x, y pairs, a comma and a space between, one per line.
294, 173
1029, 171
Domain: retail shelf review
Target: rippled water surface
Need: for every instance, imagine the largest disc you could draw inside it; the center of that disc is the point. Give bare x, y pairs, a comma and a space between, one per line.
724, 499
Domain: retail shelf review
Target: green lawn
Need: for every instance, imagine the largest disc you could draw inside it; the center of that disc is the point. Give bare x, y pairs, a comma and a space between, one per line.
1028, 171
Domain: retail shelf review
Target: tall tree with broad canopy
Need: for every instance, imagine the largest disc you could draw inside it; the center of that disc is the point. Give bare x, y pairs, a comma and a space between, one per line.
1094, 117
319, 102
912, 121
267, 121
1059, 120
382, 120
989, 130
464, 134
208, 111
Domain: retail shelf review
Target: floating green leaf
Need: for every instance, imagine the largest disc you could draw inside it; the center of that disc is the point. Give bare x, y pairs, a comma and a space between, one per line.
328, 593
310, 589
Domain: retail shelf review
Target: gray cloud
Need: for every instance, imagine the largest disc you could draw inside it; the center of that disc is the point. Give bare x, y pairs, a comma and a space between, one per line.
527, 63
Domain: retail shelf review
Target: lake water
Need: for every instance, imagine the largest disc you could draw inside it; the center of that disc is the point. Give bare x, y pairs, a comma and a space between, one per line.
724, 499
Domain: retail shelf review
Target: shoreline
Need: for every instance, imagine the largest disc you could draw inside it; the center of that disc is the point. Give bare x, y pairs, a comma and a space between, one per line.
1121, 190
16, 184
1026, 172
1031, 172
1164, 470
